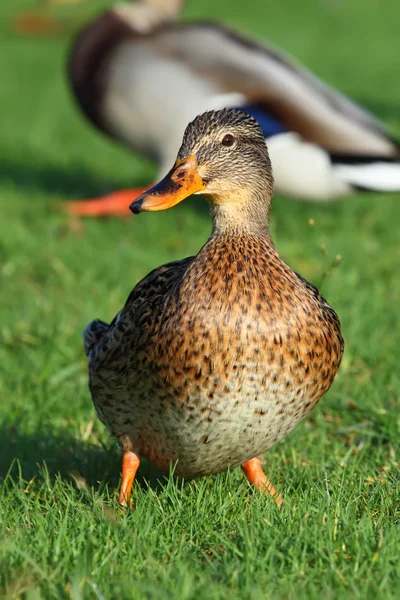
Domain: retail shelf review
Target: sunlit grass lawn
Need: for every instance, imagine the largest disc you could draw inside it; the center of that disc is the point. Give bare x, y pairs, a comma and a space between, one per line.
61, 533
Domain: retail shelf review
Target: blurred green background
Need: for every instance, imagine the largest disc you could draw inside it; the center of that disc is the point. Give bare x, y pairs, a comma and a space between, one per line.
61, 533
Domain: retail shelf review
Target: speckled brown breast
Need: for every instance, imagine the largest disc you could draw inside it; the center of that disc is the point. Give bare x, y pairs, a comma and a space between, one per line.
212, 378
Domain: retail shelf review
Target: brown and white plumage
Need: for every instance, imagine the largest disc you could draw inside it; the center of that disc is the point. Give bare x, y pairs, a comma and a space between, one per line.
142, 86
214, 358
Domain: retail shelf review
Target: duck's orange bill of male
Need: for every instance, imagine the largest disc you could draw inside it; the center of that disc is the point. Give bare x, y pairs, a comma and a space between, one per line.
182, 181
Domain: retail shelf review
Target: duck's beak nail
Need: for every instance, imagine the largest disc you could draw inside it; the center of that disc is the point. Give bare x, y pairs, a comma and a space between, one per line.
182, 181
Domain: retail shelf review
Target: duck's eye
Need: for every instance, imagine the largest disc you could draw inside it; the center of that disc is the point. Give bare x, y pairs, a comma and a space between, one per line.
228, 140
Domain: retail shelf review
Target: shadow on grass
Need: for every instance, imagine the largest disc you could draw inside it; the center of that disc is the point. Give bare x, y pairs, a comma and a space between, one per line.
26, 454
72, 182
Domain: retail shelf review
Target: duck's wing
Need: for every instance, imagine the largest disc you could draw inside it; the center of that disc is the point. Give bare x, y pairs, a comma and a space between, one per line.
330, 315
101, 340
287, 91
232, 64
155, 285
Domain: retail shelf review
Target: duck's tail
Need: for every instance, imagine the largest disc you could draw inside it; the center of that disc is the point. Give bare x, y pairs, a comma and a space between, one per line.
305, 170
92, 334
368, 173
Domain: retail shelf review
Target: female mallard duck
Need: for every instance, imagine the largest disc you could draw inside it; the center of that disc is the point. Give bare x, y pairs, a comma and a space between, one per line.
140, 79
214, 358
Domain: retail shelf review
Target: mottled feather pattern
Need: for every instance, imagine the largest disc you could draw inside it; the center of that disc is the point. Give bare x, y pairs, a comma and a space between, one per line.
217, 357
155, 285
92, 334
216, 122
230, 346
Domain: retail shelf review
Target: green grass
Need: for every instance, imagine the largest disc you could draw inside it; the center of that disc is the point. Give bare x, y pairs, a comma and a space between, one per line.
61, 535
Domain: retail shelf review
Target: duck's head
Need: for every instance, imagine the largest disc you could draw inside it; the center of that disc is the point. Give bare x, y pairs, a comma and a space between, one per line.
145, 15
224, 157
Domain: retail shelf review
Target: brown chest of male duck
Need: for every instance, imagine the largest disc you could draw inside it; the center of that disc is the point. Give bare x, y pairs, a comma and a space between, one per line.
215, 358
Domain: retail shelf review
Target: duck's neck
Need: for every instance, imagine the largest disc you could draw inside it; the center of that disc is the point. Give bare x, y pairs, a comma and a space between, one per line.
167, 8
241, 214
144, 15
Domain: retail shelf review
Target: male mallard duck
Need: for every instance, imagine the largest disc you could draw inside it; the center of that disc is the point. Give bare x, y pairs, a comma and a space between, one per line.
214, 358
141, 83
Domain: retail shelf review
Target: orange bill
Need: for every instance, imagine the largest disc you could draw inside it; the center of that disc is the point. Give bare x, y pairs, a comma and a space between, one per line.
182, 181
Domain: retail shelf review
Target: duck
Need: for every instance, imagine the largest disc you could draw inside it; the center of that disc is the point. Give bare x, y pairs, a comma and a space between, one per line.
214, 358
140, 76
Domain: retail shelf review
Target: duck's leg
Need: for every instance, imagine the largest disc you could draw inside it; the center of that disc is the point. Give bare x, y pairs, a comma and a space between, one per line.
114, 204
257, 478
130, 464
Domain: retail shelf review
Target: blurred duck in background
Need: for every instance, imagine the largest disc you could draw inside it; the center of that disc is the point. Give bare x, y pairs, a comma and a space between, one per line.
140, 76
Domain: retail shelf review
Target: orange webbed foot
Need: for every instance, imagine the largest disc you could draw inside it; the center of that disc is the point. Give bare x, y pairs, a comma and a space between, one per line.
130, 465
258, 479
114, 204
